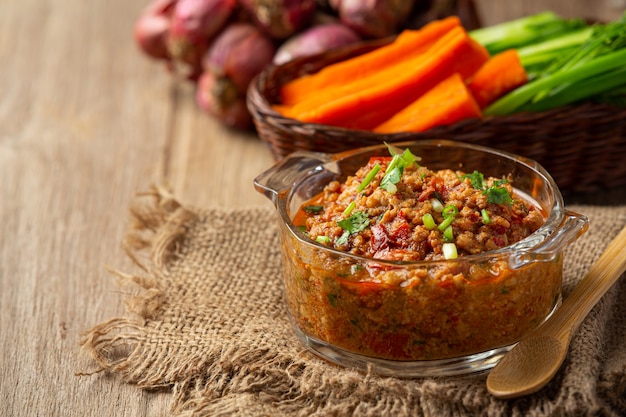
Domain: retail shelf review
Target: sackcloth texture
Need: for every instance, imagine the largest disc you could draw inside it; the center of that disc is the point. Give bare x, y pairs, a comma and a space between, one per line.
206, 320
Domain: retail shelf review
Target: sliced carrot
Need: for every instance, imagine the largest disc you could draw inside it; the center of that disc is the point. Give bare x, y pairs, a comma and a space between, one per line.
407, 44
448, 102
368, 102
502, 73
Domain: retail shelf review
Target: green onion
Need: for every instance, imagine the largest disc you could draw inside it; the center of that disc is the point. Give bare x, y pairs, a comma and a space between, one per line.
448, 234
583, 73
369, 177
429, 222
523, 31
349, 209
437, 206
322, 239
447, 221
313, 209
450, 211
485, 215
394, 171
449, 251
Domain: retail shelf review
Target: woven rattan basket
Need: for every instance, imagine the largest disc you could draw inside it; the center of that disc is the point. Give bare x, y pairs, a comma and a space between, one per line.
582, 146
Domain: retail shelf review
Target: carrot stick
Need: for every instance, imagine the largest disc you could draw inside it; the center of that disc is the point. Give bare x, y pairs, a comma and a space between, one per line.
368, 102
407, 44
501, 74
448, 102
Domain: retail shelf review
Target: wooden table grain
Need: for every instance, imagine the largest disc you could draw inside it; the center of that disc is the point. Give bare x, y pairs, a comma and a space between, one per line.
86, 122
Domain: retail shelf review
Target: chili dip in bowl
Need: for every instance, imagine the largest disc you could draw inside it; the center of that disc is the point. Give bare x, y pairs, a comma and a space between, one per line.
424, 258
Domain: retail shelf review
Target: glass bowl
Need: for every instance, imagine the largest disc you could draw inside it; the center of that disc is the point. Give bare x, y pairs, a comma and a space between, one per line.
445, 317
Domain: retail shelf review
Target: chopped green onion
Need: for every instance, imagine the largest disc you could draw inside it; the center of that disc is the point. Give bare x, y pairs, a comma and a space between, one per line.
322, 239
349, 209
429, 222
369, 177
445, 223
485, 215
313, 209
394, 171
437, 205
449, 251
450, 211
448, 234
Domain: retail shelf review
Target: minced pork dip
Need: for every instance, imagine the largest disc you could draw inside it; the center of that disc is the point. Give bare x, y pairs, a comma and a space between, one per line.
394, 209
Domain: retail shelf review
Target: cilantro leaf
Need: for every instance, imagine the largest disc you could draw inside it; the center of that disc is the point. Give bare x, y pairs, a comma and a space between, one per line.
497, 194
343, 239
394, 171
355, 223
477, 179
391, 178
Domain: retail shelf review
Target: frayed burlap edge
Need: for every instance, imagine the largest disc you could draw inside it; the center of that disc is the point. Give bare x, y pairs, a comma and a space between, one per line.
258, 380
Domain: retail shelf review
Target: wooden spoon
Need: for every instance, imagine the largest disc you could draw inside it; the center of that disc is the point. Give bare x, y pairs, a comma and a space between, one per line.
532, 363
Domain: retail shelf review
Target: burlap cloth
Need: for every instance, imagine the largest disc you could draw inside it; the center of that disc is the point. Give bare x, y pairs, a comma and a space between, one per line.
207, 321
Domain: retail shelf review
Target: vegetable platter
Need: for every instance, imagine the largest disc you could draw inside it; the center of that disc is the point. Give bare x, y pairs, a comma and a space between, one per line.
541, 86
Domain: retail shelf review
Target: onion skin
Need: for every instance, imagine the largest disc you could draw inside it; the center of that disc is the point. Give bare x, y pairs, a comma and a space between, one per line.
194, 23
218, 97
280, 18
237, 55
152, 27
240, 52
373, 18
315, 40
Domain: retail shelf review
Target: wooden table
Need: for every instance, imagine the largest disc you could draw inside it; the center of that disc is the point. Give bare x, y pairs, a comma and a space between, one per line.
86, 121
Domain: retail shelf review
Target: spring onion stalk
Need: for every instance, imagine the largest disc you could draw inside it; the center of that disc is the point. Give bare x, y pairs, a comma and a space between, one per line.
543, 53
523, 31
450, 211
448, 234
349, 209
369, 177
437, 206
445, 223
485, 216
449, 251
322, 239
593, 68
587, 88
515, 100
428, 221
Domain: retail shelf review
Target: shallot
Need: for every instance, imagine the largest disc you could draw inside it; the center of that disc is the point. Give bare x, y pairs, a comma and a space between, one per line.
280, 18
315, 40
152, 26
194, 23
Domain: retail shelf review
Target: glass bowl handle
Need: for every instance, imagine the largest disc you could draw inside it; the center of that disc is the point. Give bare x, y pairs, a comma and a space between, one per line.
281, 177
573, 226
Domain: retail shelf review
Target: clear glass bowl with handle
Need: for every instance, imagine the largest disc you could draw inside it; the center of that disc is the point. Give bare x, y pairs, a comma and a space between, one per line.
457, 316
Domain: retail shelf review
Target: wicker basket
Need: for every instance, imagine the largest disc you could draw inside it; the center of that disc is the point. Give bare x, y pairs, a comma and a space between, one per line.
582, 146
